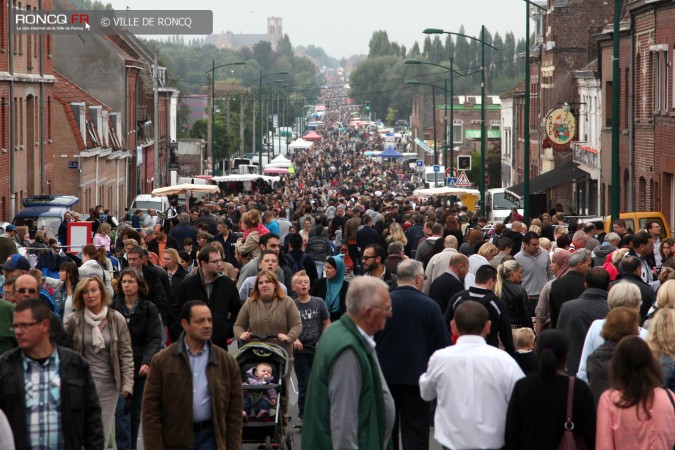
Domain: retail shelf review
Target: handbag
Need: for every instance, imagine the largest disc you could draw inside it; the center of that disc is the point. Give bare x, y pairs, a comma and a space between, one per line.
571, 441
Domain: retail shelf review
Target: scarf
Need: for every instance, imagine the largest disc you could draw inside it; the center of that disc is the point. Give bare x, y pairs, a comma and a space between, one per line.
96, 321
334, 285
562, 259
261, 229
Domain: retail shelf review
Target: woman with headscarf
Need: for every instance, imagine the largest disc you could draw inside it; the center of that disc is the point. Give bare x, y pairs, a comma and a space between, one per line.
333, 288
560, 264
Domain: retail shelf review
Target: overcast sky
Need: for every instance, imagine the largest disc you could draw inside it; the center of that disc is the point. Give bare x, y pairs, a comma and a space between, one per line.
344, 28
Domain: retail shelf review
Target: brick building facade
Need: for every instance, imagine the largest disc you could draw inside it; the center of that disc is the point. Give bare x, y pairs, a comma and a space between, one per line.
26, 101
647, 107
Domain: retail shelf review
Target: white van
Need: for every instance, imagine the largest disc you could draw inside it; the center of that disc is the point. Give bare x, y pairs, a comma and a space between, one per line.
147, 201
192, 180
499, 203
433, 179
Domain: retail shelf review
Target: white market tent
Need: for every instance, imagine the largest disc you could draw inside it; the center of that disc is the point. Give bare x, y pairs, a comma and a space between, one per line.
183, 188
280, 161
300, 143
445, 190
244, 177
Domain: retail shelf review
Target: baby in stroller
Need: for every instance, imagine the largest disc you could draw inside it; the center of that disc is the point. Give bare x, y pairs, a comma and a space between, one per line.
259, 403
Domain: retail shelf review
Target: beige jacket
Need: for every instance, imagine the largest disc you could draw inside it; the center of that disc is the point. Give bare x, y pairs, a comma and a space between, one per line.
120, 349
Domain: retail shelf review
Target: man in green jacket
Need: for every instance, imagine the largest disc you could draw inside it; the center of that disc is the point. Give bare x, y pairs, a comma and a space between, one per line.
348, 402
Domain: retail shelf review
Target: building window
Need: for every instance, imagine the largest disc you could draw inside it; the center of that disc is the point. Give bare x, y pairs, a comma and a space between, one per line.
661, 76
458, 132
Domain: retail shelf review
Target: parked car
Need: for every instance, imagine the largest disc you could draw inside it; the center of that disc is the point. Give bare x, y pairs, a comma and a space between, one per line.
44, 212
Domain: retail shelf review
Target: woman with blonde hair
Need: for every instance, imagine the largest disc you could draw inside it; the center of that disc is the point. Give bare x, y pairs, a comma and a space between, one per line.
661, 341
665, 299
483, 257
102, 236
101, 335
508, 288
396, 234
622, 294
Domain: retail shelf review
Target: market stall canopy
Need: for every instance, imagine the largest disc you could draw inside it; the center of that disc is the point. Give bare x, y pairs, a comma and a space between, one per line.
243, 177
183, 188
277, 170
312, 136
280, 161
300, 143
446, 190
390, 152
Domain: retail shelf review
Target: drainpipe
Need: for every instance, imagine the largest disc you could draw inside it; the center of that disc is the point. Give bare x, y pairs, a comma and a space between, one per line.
12, 118
42, 111
631, 129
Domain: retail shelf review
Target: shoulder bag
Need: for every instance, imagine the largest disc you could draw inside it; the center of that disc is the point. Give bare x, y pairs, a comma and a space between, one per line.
570, 440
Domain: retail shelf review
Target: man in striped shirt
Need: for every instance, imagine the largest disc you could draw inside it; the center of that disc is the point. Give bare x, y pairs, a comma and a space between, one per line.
47, 391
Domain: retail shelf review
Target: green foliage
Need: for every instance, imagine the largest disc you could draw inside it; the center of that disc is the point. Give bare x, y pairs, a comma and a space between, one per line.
392, 114
381, 77
380, 46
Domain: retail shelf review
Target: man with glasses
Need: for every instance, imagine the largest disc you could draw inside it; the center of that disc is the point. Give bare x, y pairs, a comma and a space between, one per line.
415, 331
27, 287
216, 290
373, 263
346, 380
46, 390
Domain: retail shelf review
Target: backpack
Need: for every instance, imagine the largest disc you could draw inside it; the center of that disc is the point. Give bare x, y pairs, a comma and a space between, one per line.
296, 266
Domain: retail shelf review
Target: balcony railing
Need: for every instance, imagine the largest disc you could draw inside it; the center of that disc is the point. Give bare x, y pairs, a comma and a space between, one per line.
585, 154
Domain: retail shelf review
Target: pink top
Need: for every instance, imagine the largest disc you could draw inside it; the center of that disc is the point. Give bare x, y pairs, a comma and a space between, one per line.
101, 240
619, 428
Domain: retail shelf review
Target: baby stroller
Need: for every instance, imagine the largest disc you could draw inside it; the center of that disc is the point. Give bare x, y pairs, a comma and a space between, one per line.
268, 428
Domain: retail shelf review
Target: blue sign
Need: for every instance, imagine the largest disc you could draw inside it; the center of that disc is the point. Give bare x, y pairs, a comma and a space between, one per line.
437, 169
73, 165
452, 181
420, 163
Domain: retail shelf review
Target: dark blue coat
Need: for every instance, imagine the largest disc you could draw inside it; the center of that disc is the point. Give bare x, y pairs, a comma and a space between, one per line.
413, 333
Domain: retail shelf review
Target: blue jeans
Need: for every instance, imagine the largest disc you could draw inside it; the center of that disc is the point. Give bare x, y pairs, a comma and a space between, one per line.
127, 426
302, 366
204, 440
319, 267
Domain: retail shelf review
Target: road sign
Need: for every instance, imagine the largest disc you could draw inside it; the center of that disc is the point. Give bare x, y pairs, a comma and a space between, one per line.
452, 181
437, 168
463, 180
420, 163
73, 165
454, 172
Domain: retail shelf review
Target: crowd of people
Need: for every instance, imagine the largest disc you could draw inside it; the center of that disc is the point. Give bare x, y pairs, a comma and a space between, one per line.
397, 314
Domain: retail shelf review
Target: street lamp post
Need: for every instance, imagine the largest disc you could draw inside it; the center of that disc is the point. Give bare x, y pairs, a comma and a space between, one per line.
526, 130
433, 115
616, 171
260, 145
481, 183
445, 116
212, 116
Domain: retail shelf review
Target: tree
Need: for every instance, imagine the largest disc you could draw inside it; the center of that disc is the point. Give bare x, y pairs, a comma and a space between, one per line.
284, 47
414, 51
463, 58
449, 48
509, 52
379, 45
427, 49
391, 116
